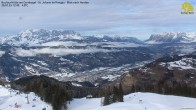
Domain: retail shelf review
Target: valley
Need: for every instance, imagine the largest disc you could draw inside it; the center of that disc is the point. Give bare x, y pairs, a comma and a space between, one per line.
69, 66
69, 56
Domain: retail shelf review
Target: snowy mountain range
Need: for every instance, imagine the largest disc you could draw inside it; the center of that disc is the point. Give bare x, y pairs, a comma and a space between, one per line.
36, 37
172, 37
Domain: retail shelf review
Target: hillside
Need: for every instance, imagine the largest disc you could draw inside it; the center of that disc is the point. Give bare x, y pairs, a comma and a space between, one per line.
10, 99
172, 71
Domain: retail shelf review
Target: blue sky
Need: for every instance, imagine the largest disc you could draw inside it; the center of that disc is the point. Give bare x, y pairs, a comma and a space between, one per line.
137, 18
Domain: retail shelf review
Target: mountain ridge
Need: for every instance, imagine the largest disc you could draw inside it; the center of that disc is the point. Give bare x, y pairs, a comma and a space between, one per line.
172, 37
35, 37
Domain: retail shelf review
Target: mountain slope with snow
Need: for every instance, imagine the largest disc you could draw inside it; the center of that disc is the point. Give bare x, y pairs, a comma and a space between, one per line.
37, 37
150, 101
172, 37
10, 100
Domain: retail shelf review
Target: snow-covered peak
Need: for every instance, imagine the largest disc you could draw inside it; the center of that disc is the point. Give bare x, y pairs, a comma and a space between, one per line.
49, 33
39, 36
172, 37
25, 33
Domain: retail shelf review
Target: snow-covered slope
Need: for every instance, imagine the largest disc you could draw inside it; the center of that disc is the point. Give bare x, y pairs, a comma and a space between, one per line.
150, 101
184, 63
177, 37
10, 100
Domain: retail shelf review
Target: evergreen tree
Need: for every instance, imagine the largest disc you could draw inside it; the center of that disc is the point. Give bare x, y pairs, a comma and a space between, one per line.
115, 94
106, 97
120, 95
133, 89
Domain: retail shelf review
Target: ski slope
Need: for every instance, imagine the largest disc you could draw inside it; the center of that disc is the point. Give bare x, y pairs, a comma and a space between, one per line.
137, 101
10, 100
134, 101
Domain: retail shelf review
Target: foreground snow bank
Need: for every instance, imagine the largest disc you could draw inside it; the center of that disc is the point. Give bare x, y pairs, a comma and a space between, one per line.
137, 101
11, 100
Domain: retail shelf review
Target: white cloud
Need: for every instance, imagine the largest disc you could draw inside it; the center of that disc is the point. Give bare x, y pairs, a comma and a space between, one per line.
59, 52
65, 43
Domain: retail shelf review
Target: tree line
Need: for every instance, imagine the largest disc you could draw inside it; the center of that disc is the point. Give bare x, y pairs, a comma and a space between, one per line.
178, 89
113, 94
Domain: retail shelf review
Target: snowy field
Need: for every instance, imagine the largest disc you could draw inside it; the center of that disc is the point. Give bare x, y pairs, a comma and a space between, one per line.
137, 101
10, 100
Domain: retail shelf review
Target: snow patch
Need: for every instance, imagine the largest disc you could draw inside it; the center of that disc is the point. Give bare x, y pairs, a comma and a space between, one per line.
1, 53
75, 84
185, 63
111, 77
